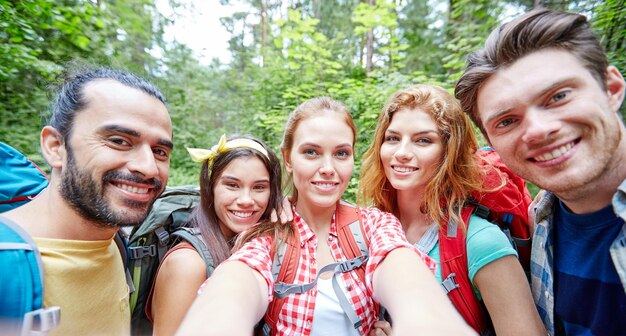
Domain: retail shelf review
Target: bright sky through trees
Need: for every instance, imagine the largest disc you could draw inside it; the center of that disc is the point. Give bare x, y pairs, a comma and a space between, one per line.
198, 26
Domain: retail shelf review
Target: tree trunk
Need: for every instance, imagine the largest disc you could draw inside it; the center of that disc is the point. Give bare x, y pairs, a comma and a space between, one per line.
361, 51
453, 21
391, 37
369, 44
263, 28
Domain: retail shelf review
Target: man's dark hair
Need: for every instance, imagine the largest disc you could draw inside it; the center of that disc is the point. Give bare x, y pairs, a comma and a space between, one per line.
536, 30
71, 96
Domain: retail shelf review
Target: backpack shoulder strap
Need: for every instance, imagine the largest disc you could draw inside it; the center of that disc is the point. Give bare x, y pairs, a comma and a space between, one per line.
282, 289
352, 241
285, 255
122, 245
355, 244
21, 306
351, 235
151, 240
350, 232
455, 272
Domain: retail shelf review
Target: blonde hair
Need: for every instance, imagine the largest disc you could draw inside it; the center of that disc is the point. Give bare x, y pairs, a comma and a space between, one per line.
457, 173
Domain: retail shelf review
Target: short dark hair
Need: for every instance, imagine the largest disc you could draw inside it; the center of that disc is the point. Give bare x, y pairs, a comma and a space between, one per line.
70, 97
536, 30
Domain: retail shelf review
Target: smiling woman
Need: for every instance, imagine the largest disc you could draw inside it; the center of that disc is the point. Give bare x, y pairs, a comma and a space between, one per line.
318, 151
239, 186
423, 169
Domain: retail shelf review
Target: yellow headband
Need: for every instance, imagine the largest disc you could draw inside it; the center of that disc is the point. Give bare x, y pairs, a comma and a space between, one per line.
200, 155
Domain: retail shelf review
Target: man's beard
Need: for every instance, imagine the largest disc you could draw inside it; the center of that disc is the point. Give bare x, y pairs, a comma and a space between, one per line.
87, 197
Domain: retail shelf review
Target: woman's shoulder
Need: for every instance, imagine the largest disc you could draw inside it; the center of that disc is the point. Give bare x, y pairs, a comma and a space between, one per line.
486, 241
480, 227
183, 262
483, 232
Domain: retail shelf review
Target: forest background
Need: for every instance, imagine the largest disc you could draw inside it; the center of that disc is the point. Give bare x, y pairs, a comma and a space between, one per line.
282, 53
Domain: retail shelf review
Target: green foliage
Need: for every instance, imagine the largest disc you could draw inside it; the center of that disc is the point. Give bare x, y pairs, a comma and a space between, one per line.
368, 17
610, 23
36, 38
470, 22
304, 49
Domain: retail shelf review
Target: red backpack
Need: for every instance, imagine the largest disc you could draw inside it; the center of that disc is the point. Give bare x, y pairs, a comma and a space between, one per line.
508, 208
352, 242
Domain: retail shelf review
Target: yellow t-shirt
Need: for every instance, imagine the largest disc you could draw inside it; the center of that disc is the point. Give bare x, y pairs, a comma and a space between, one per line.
87, 280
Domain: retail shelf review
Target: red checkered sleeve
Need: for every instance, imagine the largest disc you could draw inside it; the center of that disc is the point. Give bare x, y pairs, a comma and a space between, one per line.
296, 316
386, 234
256, 254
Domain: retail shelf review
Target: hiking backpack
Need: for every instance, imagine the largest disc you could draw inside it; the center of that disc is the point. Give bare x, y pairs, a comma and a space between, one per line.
352, 242
20, 178
22, 288
163, 228
508, 208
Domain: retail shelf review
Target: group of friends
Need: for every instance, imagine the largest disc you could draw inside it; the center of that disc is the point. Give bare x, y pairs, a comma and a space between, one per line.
541, 92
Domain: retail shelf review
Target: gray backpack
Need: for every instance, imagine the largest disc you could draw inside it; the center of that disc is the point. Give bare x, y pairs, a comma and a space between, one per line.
149, 242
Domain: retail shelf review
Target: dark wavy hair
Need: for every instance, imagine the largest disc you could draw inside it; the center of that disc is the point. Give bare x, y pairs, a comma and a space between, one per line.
204, 216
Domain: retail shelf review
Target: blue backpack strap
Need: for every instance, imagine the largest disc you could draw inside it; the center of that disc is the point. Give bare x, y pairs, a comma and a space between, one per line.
21, 292
41, 321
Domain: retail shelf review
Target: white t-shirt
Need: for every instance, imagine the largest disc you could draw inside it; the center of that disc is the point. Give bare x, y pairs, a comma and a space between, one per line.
328, 317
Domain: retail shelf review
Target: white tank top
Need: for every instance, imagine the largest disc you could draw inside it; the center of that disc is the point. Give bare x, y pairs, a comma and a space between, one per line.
328, 317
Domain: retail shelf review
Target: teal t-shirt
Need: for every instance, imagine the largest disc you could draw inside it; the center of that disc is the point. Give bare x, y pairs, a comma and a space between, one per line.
485, 243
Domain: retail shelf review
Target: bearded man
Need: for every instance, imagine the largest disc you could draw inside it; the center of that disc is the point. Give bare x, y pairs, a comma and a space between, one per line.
108, 144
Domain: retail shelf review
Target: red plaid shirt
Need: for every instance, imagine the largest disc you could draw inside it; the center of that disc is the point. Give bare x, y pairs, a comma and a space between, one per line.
385, 234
